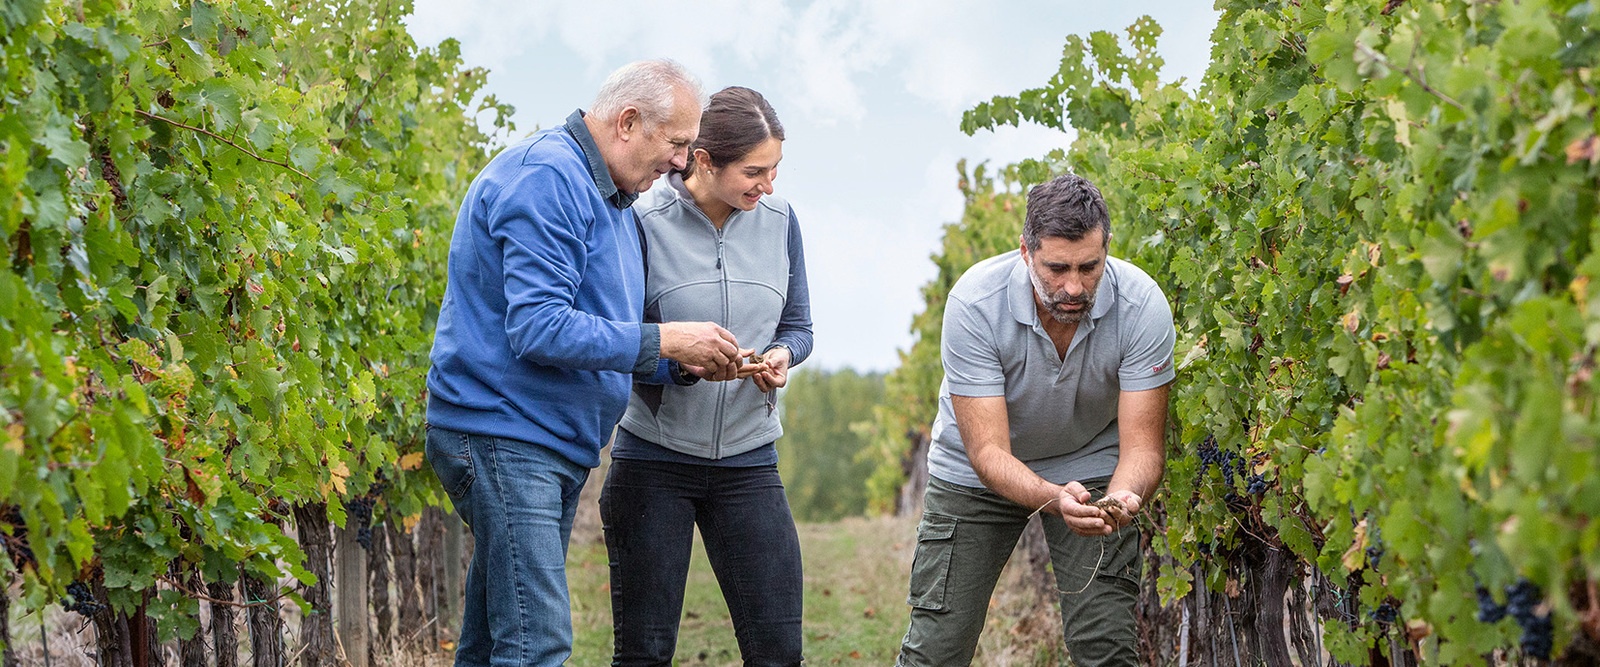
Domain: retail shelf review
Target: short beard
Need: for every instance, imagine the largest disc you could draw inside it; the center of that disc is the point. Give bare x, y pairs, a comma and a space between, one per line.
1050, 302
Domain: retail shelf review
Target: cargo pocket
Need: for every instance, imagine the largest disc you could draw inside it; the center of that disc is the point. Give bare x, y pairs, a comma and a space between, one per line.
930, 569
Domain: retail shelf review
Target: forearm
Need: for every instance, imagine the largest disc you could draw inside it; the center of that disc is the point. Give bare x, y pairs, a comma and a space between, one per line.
1141, 456
1004, 474
986, 434
1139, 471
555, 334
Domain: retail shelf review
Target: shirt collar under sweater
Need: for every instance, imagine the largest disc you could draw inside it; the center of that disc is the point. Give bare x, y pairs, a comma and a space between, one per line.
597, 165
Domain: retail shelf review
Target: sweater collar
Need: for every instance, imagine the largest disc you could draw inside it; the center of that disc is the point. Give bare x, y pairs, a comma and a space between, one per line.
597, 165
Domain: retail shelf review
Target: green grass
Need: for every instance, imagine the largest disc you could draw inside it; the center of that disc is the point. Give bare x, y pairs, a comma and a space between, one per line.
855, 591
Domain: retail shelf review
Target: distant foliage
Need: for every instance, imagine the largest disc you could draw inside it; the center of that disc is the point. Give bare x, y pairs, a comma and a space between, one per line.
225, 241
1377, 224
990, 224
820, 453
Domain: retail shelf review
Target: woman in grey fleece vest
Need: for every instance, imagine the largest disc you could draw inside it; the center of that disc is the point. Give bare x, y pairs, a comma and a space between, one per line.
720, 248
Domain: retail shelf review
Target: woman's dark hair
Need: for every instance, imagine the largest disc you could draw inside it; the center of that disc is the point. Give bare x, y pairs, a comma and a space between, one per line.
735, 121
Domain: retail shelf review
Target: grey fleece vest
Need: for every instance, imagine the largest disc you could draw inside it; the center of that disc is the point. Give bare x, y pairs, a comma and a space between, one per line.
737, 277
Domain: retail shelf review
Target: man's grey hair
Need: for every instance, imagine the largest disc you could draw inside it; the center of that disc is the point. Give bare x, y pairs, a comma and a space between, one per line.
651, 86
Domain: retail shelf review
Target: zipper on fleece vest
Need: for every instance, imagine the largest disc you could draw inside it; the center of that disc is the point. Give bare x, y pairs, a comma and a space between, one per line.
727, 315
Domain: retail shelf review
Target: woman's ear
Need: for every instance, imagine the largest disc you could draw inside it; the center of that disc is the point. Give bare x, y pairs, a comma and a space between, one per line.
702, 160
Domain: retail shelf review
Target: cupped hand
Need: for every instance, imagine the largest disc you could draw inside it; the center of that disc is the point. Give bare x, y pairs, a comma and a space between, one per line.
1102, 517
776, 373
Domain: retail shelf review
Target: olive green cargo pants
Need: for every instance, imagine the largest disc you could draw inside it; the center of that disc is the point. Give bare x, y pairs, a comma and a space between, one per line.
964, 540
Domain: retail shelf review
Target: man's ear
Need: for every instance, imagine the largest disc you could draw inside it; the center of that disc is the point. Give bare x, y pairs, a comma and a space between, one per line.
629, 123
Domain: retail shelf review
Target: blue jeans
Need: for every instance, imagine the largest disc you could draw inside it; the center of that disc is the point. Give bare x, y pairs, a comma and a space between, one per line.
650, 510
519, 500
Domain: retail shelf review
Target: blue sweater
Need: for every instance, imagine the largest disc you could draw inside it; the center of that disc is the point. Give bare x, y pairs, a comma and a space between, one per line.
539, 333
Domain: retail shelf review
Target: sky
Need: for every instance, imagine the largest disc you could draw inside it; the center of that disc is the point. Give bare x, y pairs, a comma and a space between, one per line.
870, 94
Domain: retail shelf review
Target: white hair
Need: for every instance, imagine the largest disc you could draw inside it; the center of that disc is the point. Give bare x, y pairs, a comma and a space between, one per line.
651, 86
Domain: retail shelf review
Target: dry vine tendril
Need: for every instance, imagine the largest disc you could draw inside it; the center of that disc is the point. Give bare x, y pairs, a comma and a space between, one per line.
1105, 504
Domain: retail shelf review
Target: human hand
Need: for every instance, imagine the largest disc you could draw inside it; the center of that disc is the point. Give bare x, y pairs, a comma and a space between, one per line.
1120, 506
741, 370
777, 371
705, 345
1101, 517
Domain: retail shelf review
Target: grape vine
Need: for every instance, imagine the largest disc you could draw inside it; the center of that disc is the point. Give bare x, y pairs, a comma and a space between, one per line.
1377, 223
225, 240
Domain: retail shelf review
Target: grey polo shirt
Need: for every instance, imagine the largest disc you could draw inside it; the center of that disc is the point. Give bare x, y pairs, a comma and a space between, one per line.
1063, 413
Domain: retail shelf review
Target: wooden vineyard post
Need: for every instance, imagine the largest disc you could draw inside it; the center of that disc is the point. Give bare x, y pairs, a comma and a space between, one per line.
350, 587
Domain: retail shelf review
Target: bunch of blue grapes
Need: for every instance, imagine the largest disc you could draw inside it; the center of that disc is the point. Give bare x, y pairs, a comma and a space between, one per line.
1258, 485
1386, 613
1375, 548
1489, 611
1230, 463
81, 600
1522, 605
360, 516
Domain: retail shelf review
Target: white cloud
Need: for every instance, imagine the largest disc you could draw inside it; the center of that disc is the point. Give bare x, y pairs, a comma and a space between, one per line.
870, 93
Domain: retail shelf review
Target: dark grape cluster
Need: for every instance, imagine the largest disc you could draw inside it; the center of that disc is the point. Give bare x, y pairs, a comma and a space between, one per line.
1386, 613
1374, 548
1258, 485
360, 510
81, 600
1489, 611
1522, 603
1230, 463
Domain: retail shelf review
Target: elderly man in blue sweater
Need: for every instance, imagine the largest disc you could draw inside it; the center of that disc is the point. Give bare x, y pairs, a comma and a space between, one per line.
538, 342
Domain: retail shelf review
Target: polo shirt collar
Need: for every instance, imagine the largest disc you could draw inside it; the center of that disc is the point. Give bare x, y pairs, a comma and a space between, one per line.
1019, 294
597, 165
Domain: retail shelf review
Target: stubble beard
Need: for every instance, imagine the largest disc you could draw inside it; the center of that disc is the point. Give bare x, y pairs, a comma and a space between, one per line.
1051, 301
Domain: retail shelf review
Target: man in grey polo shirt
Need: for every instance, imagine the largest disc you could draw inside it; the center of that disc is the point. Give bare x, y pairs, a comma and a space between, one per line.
1057, 360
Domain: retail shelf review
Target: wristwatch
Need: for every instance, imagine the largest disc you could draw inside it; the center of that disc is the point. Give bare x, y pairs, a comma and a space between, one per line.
684, 377
775, 346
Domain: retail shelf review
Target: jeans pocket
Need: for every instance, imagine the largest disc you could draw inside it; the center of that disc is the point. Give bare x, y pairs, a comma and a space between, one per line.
930, 568
450, 455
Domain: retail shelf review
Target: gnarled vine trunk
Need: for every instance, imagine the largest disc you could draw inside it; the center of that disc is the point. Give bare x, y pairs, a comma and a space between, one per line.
224, 638
316, 627
266, 625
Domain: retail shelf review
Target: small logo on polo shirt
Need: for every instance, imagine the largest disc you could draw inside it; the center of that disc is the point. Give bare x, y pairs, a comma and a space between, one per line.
1159, 367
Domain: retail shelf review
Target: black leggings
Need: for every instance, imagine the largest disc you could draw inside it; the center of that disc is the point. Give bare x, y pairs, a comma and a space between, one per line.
650, 510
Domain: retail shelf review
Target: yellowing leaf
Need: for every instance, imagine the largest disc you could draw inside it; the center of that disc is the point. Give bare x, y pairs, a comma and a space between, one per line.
412, 461
14, 438
1352, 321
1355, 556
339, 472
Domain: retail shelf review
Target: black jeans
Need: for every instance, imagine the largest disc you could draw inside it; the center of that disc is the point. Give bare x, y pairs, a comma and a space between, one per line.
650, 510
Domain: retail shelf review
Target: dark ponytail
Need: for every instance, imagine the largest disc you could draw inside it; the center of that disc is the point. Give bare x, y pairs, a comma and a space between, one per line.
735, 121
